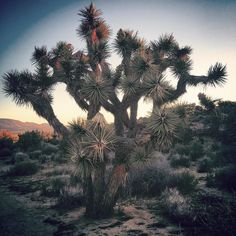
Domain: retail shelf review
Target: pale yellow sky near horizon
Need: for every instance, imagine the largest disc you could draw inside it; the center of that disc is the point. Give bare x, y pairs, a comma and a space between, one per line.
210, 34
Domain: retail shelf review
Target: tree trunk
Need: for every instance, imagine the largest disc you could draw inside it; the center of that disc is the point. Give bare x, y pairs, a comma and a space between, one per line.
116, 181
98, 187
93, 110
119, 127
44, 109
133, 118
89, 196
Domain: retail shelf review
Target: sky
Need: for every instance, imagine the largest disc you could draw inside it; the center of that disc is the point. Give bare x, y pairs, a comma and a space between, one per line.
208, 26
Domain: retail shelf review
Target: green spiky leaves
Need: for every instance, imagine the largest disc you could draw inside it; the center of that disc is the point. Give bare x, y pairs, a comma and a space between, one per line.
92, 25
19, 85
126, 43
96, 89
91, 142
142, 66
130, 86
216, 75
181, 67
156, 87
165, 43
40, 55
206, 102
163, 126
98, 142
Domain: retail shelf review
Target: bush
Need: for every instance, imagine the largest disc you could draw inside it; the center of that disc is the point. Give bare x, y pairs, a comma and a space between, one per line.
6, 142
224, 178
54, 187
212, 214
49, 148
6, 147
150, 179
204, 214
180, 161
205, 165
5, 152
45, 158
29, 141
185, 182
23, 168
35, 154
20, 156
182, 150
196, 150
70, 197
174, 205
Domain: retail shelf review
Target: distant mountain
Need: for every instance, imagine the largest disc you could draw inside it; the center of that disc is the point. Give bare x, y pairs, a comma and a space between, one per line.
16, 126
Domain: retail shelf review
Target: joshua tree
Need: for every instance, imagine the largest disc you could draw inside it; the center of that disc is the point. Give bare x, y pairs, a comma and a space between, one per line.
93, 84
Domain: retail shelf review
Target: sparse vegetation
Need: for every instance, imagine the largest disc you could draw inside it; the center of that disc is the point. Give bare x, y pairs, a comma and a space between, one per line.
23, 168
29, 141
180, 161
205, 165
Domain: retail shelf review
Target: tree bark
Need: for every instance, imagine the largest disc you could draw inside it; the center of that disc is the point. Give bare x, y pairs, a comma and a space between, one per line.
89, 196
133, 118
98, 187
45, 110
118, 122
116, 181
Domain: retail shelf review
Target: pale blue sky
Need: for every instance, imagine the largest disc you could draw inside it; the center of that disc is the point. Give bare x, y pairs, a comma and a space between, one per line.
207, 26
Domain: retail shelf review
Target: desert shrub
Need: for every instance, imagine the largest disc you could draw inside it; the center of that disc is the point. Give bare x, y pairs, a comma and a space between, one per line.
6, 142
20, 156
182, 150
180, 161
196, 150
185, 182
5, 152
35, 155
59, 170
215, 146
49, 148
149, 179
53, 188
59, 157
224, 178
70, 197
54, 140
205, 165
29, 141
213, 214
23, 168
44, 158
174, 205
185, 135
6, 147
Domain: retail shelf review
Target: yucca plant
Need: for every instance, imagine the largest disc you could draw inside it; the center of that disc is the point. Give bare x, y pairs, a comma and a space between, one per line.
163, 126
94, 85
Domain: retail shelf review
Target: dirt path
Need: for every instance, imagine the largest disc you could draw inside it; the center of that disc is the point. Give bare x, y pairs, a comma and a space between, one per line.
18, 220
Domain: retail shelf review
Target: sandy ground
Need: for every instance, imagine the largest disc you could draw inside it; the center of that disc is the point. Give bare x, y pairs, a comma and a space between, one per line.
18, 220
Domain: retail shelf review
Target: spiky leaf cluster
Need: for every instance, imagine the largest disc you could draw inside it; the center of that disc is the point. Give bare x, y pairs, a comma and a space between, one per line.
130, 86
163, 126
156, 87
216, 75
126, 43
96, 89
